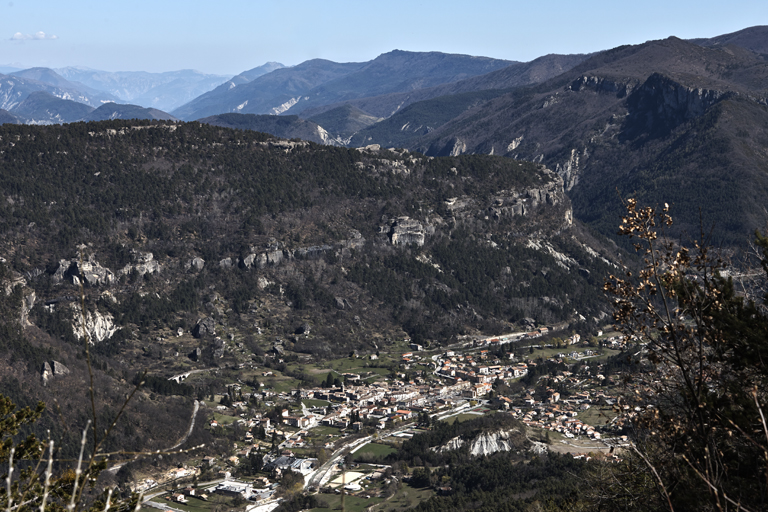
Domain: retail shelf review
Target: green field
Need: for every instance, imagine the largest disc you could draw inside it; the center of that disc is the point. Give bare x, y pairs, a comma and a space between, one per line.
311, 402
351, 503
461, 418
197, 505
224, 419
547, 353
597, 416
324, 431
406, 497
375, 449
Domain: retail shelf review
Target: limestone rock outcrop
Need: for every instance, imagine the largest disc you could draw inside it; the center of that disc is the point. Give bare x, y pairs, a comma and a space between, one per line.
405, 230
487, 443
93, 325
491, 442
204, 327
195, 355
197, 263
89, 272
143, 263
314, 252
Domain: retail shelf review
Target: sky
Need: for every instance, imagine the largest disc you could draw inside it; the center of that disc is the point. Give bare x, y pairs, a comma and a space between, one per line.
231, 36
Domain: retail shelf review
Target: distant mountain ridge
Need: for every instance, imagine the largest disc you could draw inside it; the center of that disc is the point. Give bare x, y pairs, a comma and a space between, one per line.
752, 38
272, 93
15, 88
516, 74
41, 107
253, 74
164, 91
7, 117
320, 82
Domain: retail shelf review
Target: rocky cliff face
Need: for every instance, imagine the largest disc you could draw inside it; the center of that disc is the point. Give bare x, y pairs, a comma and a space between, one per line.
89, 272
661, 104
143, 263
52, 369
93, 325
602, 85
529, 206
404, 231
491, 442
486, 443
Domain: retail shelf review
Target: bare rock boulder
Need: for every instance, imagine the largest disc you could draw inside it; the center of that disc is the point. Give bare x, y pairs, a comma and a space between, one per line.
204, 327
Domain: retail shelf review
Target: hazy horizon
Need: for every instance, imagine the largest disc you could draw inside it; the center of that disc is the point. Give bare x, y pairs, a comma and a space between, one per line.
227, 40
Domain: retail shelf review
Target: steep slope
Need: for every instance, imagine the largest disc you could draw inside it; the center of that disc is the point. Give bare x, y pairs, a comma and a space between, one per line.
656, 107
287, 127
364, 245
418, 119
164, 91
43, 108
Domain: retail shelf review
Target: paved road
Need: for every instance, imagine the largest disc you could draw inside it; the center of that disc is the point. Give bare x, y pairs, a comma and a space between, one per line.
315, 479
322, 474
264, 507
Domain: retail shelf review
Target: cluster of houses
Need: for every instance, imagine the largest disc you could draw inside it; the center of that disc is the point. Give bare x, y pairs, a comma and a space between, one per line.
258, 490
561, 415
167, 477
383, 401
477, 370
560, 418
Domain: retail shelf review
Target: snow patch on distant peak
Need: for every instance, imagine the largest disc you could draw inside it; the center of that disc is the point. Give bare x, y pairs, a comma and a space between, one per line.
232, 85
241, 106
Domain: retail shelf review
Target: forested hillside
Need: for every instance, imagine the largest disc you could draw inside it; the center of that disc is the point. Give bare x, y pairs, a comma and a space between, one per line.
443, 246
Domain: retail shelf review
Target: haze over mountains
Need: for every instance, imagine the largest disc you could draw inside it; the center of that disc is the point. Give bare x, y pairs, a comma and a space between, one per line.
164, 91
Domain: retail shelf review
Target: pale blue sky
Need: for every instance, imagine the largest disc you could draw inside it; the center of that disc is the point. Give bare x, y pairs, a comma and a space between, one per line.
231, 36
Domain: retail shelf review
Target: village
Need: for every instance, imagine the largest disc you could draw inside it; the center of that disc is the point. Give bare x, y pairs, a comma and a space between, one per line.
558, 390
